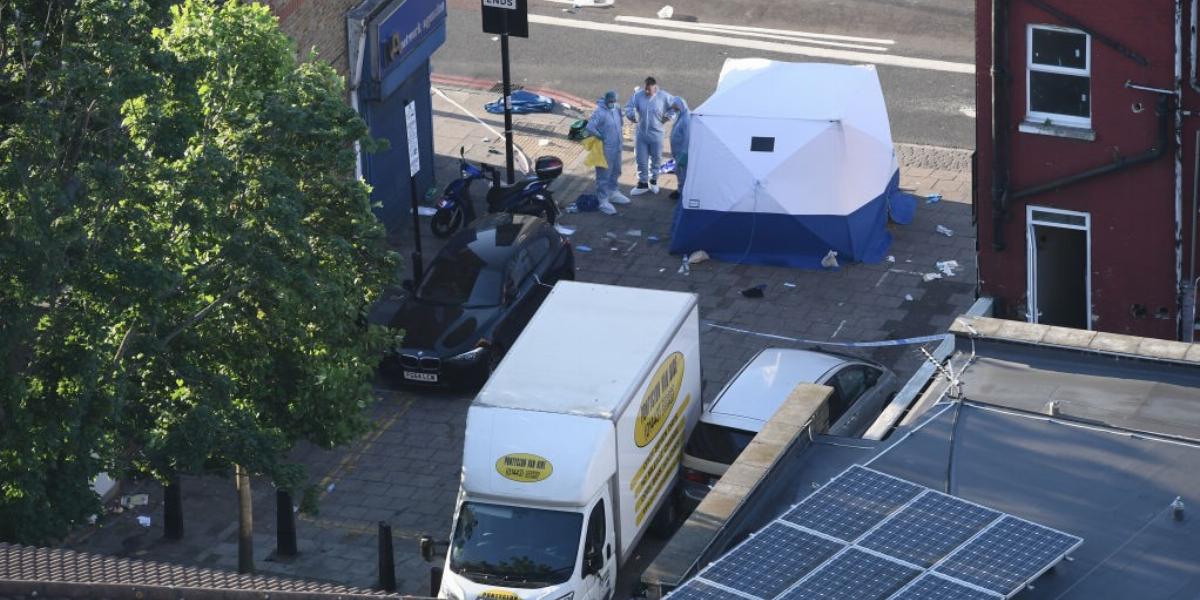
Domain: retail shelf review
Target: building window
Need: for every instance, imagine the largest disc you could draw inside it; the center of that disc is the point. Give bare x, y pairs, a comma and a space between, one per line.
1059, 76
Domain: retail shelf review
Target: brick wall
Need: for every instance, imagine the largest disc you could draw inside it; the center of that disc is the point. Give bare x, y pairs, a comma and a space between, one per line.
318, 25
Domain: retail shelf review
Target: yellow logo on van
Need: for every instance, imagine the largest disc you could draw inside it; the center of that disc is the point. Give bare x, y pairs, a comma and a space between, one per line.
494, 594
659, 399
525, 468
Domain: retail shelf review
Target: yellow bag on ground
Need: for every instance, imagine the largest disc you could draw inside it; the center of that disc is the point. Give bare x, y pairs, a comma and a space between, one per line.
595, 152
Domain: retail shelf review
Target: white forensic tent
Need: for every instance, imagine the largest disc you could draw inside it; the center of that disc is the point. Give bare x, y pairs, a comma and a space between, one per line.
788, 161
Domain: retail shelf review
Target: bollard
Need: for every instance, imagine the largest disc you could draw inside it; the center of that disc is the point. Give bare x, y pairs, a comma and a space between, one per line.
387, 559
285, 524
173, 511
435, 581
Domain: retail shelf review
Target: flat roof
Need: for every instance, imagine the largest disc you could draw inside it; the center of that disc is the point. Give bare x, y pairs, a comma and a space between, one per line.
1111, 488
1122, 445
587, 349
1122, 392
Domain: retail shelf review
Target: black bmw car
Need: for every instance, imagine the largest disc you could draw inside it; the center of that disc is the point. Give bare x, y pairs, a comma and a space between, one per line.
476, 297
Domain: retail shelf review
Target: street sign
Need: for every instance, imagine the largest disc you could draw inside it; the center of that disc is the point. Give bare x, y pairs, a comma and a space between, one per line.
414, 145
506, 16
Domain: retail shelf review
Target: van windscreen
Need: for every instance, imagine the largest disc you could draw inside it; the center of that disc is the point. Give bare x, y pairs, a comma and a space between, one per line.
515, 546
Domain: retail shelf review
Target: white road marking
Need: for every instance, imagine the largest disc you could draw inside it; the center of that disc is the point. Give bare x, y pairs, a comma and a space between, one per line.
763, 46
968, 111
786, 32
722, 29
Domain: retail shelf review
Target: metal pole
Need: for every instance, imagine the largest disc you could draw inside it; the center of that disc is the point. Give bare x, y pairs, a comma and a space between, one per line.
507, 81
418, 264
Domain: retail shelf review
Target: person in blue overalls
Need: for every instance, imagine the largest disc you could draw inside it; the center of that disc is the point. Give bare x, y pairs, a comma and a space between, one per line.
606, 125
650, 109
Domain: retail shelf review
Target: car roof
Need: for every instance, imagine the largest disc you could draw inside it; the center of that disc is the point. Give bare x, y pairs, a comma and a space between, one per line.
495, 237
753, 395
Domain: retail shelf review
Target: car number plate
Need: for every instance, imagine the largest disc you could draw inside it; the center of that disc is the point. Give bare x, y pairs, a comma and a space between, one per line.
426, 377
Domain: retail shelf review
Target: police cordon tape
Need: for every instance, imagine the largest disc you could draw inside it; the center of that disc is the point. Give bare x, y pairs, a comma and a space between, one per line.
875, 344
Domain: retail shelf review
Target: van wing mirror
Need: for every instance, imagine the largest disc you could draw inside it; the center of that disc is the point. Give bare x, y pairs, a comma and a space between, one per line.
592, 562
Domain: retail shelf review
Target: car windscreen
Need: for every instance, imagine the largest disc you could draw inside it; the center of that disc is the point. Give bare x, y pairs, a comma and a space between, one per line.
515, 546
461, 278
718, 443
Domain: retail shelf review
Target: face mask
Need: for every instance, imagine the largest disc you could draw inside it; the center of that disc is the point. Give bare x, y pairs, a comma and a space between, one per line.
611, 104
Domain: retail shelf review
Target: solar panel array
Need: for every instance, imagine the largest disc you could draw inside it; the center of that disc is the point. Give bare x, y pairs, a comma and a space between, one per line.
867, 535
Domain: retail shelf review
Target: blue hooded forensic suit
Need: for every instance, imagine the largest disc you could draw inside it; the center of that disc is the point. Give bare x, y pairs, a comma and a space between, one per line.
605, 124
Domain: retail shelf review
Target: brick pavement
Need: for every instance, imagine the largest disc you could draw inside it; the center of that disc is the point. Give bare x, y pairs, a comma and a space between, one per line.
406, 470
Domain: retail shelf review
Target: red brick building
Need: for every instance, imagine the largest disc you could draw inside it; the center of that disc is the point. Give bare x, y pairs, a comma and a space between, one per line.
1086, 162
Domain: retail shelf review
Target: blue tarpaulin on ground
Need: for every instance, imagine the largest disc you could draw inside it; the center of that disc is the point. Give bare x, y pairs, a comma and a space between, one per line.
523, 102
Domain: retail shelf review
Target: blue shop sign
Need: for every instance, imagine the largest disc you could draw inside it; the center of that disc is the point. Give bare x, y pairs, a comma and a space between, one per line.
405, 28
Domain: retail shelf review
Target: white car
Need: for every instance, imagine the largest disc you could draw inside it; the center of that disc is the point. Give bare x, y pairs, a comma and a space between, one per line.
861, 389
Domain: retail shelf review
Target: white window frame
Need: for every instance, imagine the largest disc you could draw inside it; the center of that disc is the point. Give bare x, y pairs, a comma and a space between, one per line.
1031, 221
1055, 118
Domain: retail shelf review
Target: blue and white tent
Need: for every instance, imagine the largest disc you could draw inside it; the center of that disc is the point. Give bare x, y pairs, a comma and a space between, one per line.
788, 161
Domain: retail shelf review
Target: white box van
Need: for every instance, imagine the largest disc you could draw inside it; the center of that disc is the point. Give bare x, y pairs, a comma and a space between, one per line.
574, 443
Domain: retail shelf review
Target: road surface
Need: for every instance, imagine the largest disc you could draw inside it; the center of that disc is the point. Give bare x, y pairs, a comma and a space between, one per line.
923, 49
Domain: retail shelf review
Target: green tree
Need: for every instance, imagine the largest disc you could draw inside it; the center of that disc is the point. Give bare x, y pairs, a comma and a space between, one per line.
206, 306
65, 266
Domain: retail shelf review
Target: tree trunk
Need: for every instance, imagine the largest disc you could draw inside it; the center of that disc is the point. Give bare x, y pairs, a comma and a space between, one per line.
245, 521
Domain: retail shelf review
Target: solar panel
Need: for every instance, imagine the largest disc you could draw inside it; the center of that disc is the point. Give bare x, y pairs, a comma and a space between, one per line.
932, 587
866, 535
929, 528
772, 560
1008, 555
852, 503
853, 575
697, 590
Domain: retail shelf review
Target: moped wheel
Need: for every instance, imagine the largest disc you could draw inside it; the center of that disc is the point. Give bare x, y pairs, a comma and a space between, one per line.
445, 222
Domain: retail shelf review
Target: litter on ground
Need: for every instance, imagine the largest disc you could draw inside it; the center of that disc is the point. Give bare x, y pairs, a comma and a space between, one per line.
652, 239
830, 260
908, 297
684, 267
666, 12
583, 248
563, 229
891, 258
932, 276
933, 198
946, 231
947, 267
132, 500
426, 211
543, 142
143, 520
697, 257
789, 284
754, 292
634, 233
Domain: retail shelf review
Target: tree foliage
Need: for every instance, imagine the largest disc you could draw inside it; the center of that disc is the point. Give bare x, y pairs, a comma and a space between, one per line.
186, 256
